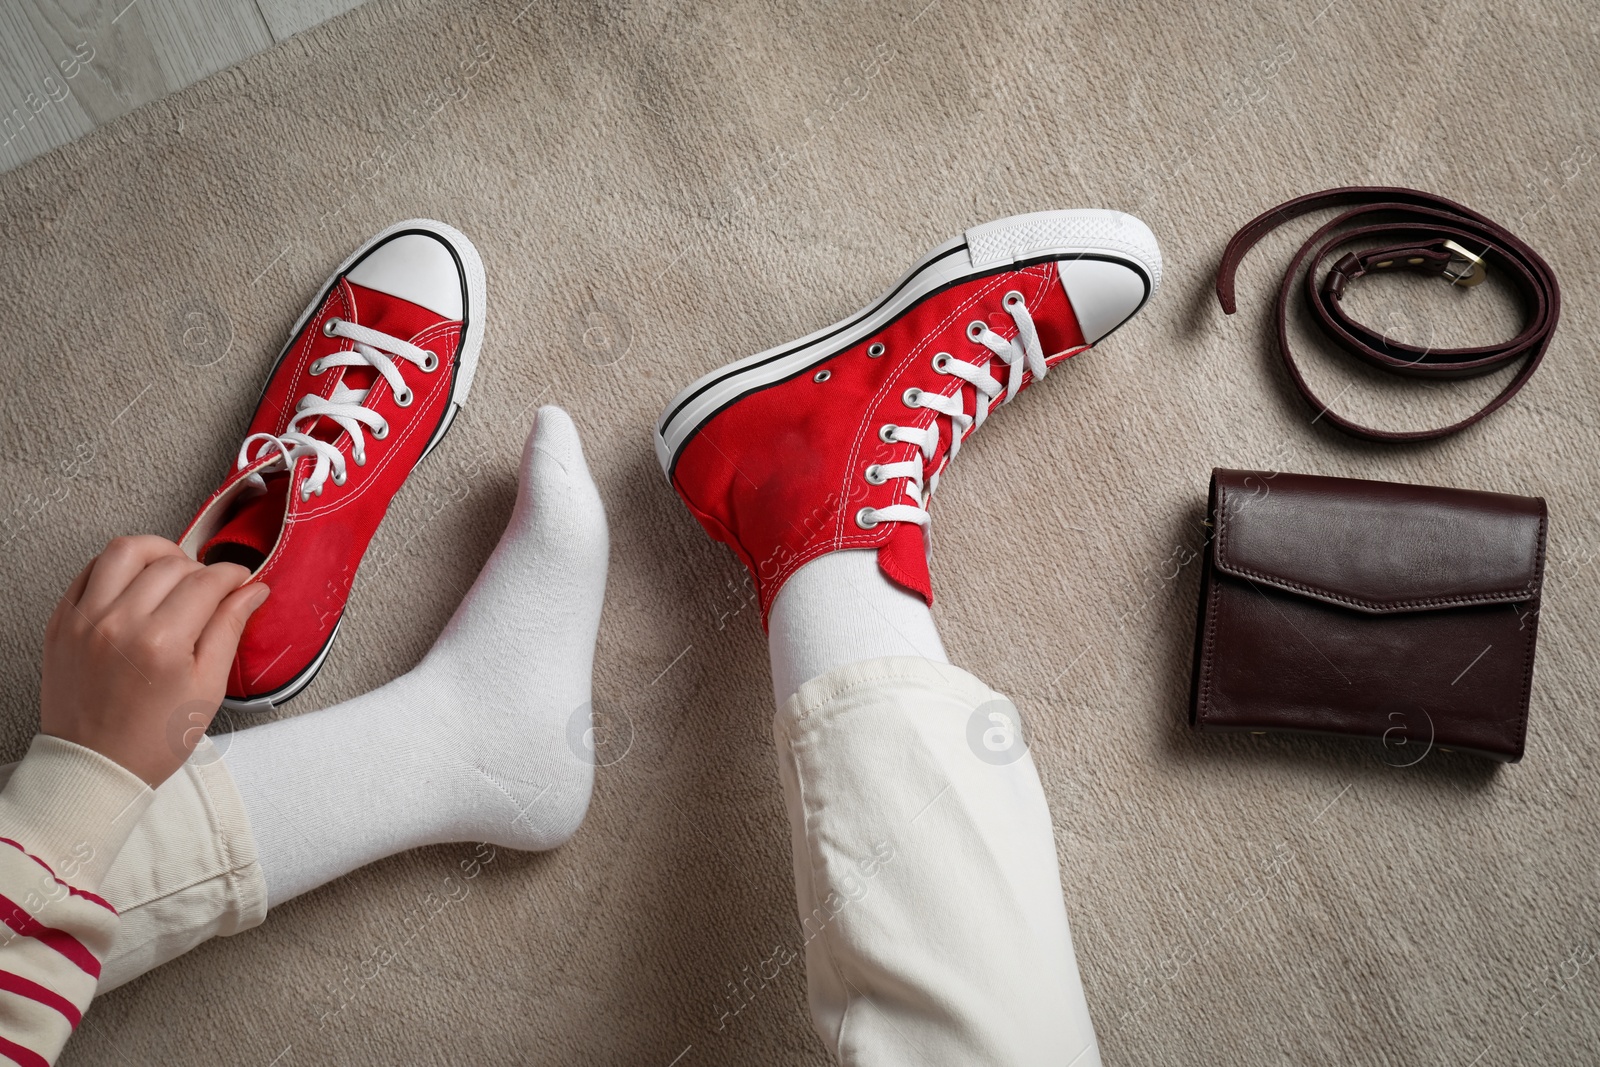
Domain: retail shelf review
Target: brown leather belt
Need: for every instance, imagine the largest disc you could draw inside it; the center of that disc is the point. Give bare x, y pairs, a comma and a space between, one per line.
1423, 233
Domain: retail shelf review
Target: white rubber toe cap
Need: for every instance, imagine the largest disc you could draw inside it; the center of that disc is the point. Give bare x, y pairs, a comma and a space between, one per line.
1102, 293
415, 267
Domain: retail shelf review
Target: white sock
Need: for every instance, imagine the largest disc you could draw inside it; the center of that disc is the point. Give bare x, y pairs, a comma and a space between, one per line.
481, 741
839, 609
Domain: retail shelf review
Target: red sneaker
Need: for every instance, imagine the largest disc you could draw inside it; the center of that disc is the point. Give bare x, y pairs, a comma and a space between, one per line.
837, 440
373, 374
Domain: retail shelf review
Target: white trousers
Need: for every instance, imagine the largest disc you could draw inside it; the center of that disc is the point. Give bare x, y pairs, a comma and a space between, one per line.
925, 871
187, 874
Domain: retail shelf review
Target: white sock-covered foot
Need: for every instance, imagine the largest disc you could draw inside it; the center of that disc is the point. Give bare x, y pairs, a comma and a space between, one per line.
839, 609
485, 739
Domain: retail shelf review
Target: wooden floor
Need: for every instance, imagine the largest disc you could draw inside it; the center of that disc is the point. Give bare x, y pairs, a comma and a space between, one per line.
68, 65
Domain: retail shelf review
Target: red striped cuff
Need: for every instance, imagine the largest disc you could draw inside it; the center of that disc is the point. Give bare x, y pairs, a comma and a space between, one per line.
23, 1057
74, 890
26, 987
63, 942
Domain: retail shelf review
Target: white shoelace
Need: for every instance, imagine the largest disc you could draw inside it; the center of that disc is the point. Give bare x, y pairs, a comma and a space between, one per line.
345, 406
1020, 354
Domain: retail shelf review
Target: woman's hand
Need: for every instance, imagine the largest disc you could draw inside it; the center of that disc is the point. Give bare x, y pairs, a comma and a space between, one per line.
136, 655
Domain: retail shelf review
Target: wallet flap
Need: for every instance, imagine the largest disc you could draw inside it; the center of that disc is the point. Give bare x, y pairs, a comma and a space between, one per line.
1377, 547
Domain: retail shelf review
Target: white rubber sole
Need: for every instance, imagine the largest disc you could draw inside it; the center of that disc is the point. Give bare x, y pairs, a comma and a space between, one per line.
1004, 244
471, 344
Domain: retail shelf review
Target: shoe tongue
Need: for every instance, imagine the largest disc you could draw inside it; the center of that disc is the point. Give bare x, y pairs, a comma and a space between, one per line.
248, 534
903, 559
390, 314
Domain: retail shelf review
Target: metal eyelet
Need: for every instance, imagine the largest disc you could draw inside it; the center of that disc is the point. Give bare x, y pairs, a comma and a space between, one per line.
874, 475
305, 493
886, 432
1012, 299
910, 397
866, 518
941, 363
875, 350
404, 399
328, 327
360, 457
430, 364
316, 367
822, 375
339, 478
380, 432
975, 329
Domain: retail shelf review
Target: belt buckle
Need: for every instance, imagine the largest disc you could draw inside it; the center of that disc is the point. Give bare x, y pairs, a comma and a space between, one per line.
1464, 269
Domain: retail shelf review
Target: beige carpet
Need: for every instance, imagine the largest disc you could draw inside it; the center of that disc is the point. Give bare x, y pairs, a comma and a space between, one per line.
656, 189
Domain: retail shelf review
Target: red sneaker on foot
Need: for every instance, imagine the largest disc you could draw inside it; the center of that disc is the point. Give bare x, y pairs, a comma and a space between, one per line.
373, 374
837, 440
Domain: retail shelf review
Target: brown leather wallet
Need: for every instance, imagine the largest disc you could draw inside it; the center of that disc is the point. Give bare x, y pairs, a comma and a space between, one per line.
1404, 613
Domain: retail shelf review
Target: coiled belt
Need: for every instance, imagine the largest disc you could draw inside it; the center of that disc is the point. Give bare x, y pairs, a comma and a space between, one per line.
1420, 232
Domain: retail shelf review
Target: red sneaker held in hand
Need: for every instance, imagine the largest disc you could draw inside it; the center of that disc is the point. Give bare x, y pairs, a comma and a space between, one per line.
837, 441
374, 372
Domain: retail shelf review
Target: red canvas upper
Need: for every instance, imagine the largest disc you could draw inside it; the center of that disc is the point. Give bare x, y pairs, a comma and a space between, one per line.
779, 474
314, 546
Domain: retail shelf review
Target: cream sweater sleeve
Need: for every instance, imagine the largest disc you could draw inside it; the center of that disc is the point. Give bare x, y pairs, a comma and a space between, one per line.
64, 815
